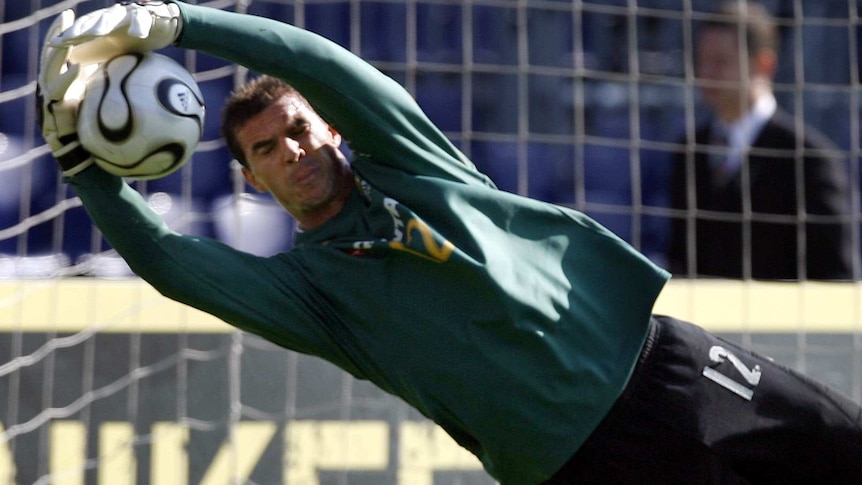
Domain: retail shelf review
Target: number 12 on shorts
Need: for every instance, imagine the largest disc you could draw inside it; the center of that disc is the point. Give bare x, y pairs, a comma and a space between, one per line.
751, 376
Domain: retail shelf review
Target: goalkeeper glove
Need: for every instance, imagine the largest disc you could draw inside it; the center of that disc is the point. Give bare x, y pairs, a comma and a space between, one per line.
59, 92
123, 28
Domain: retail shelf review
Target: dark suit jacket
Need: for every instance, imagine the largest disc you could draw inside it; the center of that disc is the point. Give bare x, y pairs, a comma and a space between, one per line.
724, 238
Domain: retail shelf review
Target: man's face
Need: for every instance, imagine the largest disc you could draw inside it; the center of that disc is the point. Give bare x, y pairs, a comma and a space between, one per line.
724, 71
294, 155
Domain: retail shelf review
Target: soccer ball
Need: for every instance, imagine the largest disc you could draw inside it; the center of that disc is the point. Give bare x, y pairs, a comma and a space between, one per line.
142, 116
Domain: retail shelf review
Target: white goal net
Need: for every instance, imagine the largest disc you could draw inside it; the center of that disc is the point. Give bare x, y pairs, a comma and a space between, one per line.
576, 102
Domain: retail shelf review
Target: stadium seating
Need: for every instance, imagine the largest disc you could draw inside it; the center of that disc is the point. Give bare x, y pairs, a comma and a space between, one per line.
493, 135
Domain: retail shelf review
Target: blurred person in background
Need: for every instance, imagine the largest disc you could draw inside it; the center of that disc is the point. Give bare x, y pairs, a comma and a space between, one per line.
757, 160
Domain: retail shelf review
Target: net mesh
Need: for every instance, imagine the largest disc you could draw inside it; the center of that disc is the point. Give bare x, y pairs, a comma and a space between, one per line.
576, 102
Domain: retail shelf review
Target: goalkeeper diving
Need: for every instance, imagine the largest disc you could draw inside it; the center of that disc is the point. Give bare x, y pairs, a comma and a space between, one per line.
524, 329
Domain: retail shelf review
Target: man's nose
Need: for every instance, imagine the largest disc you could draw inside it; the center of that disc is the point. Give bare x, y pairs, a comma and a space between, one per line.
293, 151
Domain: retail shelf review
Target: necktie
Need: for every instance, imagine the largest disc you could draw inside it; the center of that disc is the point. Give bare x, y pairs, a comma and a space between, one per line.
720, 161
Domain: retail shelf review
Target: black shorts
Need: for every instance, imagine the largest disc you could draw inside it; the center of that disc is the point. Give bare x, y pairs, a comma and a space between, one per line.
701, 410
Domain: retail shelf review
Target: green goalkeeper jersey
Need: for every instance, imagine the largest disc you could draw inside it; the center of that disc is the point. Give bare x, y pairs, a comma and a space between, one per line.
512, 323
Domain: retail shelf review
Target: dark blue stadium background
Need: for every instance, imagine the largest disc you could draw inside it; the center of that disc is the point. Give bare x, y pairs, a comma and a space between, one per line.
580, 107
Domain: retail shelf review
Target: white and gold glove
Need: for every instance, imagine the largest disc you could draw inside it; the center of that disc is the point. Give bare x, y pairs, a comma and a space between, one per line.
123, 28
60, 88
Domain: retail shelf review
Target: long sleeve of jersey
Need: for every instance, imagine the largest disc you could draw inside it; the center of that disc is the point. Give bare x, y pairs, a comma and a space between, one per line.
363, 104
200, 272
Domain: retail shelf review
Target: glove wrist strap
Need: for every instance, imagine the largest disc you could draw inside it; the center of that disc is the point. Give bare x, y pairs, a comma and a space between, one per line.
79, 167
72, 157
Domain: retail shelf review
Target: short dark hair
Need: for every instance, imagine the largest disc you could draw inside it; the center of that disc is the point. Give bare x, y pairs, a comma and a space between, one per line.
246, 102
761, 31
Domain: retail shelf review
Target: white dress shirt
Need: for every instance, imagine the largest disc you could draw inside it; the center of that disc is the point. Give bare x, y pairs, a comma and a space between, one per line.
740, 134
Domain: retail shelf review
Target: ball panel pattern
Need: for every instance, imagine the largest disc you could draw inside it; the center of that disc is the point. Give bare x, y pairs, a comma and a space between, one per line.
142, 116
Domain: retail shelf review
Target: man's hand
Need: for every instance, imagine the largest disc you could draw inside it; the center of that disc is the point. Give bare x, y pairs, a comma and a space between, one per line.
128, 27
59, 92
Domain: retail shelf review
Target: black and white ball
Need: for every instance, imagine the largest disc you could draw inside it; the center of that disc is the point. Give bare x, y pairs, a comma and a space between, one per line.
142, 116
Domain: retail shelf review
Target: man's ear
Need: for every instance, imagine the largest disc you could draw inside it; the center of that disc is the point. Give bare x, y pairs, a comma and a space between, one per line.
336, 136
252, 180
765, 63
